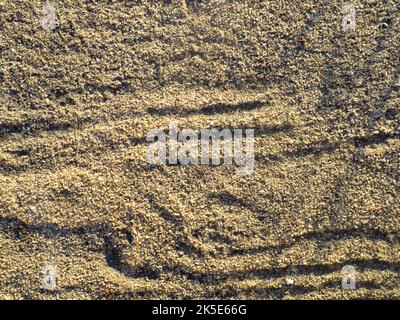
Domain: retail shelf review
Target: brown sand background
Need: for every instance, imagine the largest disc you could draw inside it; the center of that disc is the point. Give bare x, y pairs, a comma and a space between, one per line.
76, 190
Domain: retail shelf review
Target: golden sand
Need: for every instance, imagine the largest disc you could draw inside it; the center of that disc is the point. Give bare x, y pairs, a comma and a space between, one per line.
77, 193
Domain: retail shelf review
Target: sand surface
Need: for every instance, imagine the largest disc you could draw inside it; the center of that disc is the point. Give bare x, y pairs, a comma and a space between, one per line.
76, 190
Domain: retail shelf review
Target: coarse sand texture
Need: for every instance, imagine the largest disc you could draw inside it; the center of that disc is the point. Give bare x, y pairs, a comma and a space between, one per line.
84, 215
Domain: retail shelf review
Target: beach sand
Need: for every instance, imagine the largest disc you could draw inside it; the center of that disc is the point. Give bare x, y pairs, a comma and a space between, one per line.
78, 195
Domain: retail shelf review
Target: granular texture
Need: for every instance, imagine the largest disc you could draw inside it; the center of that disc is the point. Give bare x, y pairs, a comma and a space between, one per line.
80, 202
